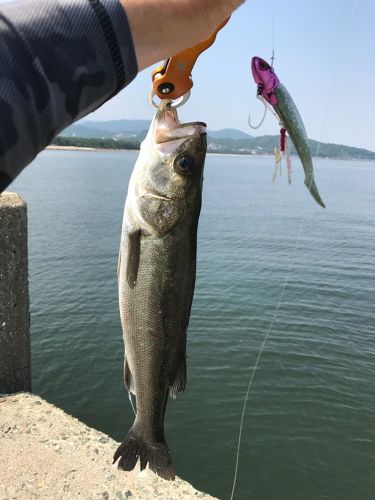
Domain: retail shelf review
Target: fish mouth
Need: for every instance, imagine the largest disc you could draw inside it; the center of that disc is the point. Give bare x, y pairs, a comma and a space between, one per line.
168, 128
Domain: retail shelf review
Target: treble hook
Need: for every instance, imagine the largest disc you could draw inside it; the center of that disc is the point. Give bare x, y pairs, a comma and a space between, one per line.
267, 107
265, 104
254, 127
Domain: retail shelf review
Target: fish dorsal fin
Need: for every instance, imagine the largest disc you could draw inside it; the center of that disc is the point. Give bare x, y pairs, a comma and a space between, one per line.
132, 262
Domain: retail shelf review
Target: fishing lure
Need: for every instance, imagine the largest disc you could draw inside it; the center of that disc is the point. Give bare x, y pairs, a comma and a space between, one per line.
282, 150
275, 95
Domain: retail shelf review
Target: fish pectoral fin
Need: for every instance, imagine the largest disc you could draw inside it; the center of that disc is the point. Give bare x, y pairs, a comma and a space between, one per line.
132, 262
128, 378
179, 381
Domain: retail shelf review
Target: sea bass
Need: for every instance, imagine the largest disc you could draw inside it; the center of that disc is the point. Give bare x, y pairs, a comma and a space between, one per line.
156, 277
270, 88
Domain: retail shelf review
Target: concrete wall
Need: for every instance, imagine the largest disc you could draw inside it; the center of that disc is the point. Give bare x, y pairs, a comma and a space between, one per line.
46, 454
15, 371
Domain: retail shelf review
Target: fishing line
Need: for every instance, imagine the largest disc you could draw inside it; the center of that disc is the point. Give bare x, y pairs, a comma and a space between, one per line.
267, 107
338, 61
330, 94
291, 259
131, 403
273, 32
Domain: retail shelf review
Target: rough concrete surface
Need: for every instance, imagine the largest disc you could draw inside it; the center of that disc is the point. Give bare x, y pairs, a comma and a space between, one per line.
45, 453
15, 372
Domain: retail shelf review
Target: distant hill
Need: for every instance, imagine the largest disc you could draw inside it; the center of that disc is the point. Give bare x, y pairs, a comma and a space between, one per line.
128, 134
132, 128
228, 133
121, 126
108, 129
266, 145
84, 131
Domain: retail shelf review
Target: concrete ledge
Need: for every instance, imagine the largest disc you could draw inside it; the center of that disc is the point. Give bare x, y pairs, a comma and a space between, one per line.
45, 453
15, 372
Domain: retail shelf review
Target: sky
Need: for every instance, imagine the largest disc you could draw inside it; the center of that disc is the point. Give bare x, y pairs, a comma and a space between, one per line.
324, 56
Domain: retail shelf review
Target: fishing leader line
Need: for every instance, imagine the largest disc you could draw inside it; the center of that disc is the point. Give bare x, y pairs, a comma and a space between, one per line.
282, 293
292, 258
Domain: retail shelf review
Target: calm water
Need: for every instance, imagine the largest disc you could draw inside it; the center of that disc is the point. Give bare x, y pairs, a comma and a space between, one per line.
309, 430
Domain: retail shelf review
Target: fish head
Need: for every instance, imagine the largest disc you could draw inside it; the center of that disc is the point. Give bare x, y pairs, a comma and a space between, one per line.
265, 78
170, 181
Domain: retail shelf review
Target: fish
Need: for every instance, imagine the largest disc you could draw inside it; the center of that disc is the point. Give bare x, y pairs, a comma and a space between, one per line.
275, 93
156, 279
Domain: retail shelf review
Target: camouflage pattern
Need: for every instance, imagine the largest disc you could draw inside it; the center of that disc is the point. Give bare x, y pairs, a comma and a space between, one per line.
59, 60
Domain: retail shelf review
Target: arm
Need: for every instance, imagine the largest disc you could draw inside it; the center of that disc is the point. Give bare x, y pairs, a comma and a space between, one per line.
62, 59
59, 60
163, 28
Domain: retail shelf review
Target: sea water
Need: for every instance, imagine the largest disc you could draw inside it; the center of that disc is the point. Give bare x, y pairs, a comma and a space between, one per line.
269, 260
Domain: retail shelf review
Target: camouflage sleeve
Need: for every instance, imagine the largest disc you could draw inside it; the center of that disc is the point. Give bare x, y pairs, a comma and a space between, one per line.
59, 60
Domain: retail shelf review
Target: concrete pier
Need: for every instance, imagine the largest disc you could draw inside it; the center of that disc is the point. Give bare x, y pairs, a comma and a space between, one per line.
15, 370
47, 454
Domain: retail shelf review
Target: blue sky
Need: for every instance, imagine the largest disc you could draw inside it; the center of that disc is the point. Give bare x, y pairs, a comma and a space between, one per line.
324, 53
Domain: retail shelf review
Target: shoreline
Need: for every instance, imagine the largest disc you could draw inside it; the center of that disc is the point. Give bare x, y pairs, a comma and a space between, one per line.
53, 147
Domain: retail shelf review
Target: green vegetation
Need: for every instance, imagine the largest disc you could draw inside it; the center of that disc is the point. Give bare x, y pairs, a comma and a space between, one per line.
264, 145
87, 142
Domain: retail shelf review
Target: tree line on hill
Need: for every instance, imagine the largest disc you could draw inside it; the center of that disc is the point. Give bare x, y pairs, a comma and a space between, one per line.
264, 145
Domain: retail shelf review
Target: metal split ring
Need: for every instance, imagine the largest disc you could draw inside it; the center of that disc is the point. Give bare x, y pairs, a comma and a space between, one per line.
174, 104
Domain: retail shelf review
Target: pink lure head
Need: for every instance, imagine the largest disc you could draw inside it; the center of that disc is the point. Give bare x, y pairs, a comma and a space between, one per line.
265, 78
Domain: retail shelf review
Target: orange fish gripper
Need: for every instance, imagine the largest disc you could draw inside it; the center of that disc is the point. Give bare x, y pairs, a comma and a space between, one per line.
173, 79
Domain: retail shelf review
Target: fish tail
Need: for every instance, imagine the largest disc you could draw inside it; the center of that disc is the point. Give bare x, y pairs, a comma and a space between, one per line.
311, 186
156, 454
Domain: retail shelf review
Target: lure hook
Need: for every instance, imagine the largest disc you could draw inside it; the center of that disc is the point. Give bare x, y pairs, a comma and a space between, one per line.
254, 127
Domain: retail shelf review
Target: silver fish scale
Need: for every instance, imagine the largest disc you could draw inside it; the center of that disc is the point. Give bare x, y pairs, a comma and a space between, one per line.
152, 315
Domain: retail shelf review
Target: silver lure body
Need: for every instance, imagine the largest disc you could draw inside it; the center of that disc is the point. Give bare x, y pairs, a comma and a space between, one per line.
291, 119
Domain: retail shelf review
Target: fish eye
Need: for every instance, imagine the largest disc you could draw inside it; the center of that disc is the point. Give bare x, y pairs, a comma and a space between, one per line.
263, 66
183, 164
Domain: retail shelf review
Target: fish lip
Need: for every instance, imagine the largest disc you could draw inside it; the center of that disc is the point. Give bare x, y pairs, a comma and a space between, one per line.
169, 136
155, 194
188, 124
180, 138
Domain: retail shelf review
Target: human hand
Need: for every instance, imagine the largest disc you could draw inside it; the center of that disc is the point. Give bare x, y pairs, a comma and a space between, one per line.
162, 29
